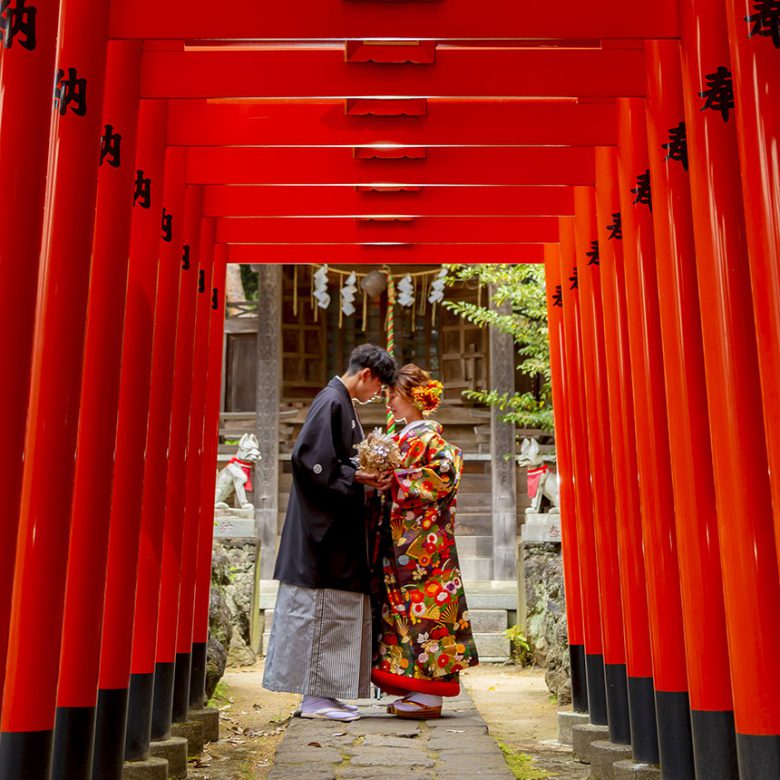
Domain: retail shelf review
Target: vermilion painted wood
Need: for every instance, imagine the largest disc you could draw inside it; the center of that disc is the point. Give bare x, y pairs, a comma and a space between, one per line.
25, 85
686, 399
417, 52
672, 703
389, 254
622, 431
147, 595
472, 166
195, 448
253, 201
621, 420
87, 560
458, 72
180, 421
586, 541
591, 316
731, 363
310, 19
210, 449
755, 61
459, 123
133, 404
58, 343
661, 568
425, 230
571, 564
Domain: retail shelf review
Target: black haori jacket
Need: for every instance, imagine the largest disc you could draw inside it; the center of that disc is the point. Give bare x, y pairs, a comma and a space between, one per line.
323, 542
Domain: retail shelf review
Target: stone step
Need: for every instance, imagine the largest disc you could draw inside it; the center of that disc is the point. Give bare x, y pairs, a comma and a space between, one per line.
474, 545
475, 502
476, 568
473, 523
489, 621
268, 591
482, 595
492, 648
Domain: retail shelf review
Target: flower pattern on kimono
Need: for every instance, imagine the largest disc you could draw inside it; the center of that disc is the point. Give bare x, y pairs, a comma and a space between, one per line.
420, 564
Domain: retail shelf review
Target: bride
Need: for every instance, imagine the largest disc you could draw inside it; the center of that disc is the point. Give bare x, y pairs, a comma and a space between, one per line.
424, 634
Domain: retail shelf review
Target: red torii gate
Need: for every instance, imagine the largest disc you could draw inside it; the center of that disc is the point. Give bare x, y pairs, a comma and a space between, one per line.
385, 254
505, 122
359, 20
259, 201
657, 331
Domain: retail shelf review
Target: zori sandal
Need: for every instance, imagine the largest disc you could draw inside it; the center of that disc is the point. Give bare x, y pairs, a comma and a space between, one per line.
391, 706
332, 713
422, 711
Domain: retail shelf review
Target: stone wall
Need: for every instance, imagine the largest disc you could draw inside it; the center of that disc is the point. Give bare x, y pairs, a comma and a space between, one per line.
220, 625
546, 614
240, 596
232, 601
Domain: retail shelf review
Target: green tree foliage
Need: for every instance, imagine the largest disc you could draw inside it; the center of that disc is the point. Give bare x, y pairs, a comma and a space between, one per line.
522, 288
249, 281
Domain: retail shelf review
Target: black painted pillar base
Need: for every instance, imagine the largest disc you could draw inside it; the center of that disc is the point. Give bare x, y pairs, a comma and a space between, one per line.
715, 745
617, 704
139, 717
162, 707
644, 727
597, 694
675, 741
181, 687
759, 756
198, 676
579, 679
74, 736
26, 755
110, 725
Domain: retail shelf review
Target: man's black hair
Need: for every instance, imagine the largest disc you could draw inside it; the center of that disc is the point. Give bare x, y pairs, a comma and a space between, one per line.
381, 363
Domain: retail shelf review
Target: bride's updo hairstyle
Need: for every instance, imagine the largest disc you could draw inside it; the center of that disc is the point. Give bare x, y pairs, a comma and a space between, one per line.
419, 387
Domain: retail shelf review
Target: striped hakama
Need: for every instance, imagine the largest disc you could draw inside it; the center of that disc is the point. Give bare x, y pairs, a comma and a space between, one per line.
320, 643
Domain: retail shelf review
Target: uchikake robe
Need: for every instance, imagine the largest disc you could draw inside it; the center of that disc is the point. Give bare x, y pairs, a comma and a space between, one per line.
424, 635
324, 542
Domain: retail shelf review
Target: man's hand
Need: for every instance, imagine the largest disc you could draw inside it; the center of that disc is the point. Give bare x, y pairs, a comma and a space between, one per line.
373, 479
385, 480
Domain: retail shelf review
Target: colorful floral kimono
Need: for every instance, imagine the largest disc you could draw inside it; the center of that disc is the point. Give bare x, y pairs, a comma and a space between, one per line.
422, 621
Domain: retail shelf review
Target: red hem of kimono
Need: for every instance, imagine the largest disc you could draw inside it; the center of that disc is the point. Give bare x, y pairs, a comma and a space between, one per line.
398, 685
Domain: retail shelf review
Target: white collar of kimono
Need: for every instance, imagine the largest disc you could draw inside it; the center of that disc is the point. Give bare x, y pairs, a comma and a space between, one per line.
412, 425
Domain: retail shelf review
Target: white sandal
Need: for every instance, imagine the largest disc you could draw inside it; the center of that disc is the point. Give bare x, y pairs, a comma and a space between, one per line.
347, 707
332, 713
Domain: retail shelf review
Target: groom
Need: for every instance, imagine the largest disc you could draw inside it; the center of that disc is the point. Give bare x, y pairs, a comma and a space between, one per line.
320, 642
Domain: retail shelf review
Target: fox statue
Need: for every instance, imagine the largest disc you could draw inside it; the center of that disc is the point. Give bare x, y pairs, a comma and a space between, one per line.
236, 477
542, 480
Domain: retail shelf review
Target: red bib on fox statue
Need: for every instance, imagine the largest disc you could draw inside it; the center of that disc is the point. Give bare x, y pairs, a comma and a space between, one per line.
534, 478
246, 467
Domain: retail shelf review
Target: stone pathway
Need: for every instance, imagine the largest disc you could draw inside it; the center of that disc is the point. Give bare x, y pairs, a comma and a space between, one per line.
380, 746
